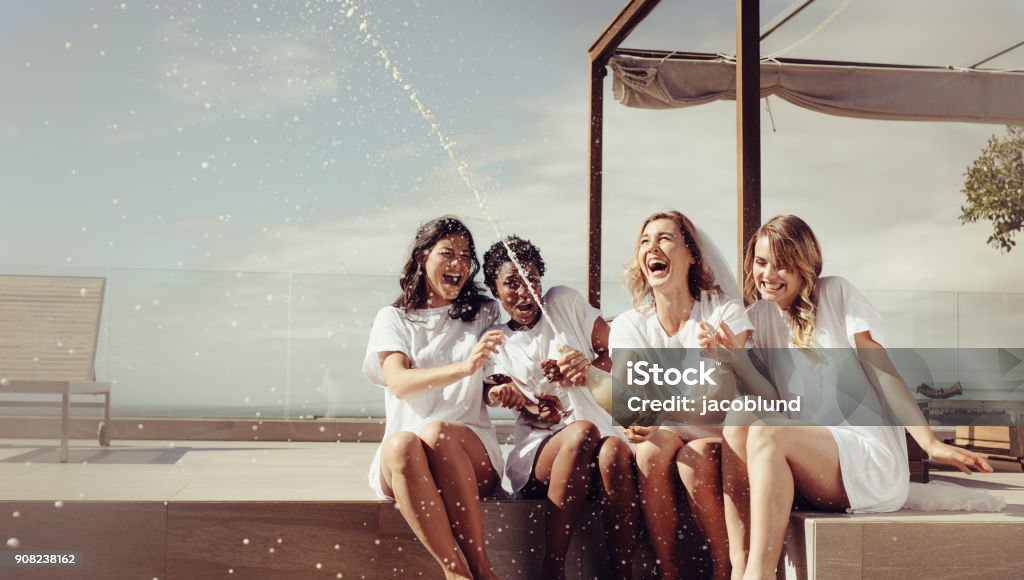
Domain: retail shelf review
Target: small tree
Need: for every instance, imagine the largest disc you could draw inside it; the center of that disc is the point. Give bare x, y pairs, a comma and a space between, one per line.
995, 188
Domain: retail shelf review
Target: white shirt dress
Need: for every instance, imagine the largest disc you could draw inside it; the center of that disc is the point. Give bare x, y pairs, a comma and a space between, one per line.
431, 339
640, 329
872, 458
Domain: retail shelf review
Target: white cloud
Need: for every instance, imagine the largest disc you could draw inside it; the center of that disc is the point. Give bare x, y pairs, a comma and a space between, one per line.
248, 75
372, 243
884, 196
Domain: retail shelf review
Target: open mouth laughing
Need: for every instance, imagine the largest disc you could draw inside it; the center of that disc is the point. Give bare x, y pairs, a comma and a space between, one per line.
452, 282
526, 308
523, 311
657, 266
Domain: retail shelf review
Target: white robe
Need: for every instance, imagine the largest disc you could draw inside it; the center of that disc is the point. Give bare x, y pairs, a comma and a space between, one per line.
431, 339
640, 329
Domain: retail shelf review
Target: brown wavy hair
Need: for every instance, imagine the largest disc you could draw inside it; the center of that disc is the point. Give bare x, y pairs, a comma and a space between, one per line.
700, 276
414, 280
794, 247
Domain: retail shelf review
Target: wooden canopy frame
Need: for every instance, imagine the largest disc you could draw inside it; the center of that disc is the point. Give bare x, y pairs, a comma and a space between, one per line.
748, 137
748, 88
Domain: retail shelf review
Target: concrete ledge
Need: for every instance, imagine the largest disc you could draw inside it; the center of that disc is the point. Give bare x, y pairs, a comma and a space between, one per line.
905, 545
135, 515
369, 539
183, 540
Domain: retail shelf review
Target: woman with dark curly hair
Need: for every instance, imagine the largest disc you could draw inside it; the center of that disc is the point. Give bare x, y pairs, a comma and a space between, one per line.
440, 452
565, 444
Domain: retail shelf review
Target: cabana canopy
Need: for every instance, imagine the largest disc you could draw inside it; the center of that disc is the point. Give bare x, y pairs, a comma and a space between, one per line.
662, 80
849, 90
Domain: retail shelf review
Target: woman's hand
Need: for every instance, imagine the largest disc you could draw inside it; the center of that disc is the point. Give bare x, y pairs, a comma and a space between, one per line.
723, 337
573, 367
961, 459
482, 352
639, 433
717, 344
506, 395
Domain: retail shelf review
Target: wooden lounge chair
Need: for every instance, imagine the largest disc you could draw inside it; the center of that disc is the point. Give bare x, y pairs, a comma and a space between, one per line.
48, 331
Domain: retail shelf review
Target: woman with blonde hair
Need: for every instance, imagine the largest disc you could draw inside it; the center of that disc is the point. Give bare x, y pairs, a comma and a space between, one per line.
832, 454
672, 266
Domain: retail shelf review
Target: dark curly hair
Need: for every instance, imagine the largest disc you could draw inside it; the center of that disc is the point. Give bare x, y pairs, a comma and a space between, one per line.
414, 283
496, 256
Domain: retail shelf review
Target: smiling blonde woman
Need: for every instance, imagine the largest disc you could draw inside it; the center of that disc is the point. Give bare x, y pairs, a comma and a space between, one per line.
827, 464
672, 265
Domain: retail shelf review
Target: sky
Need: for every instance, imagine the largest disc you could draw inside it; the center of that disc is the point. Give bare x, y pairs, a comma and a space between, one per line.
213, 139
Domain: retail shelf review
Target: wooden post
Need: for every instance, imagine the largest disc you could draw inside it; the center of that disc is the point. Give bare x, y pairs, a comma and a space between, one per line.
748, 126
597, 74
600, 51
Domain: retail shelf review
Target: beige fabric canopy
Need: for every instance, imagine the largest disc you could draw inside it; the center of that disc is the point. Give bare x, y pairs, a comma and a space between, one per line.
867, 92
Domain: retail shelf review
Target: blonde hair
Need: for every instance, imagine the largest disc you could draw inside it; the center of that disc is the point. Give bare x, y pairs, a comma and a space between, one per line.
700, 275
794, 247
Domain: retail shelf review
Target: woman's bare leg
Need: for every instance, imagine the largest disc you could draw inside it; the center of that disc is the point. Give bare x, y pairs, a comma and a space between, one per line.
464, 474
620, 505
736, 495
782, 459
406, 475
563, 466
700, 464
656, 475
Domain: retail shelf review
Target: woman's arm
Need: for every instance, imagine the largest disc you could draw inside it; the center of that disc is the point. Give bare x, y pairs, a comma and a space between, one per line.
405, 382
744, 363
572, 364
884, 376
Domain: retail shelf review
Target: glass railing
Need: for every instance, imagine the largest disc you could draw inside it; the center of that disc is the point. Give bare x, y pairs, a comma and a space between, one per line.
234, 344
